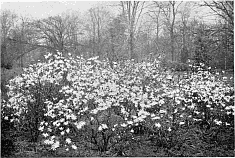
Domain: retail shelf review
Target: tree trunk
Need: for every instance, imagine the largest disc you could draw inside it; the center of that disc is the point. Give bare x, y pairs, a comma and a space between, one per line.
172, 44
98, 34
93, 42
3, 52
131, 45
184, 51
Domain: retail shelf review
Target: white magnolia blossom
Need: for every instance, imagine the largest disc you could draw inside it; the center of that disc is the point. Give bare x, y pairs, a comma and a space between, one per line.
182, 123
156, 118
55, 145
217, 122
124, 125
45, 134
74, 147
67, 130
102, 126
158, 125
80, 124
135, 89
41, 128
68, 140
162, 111
49, 142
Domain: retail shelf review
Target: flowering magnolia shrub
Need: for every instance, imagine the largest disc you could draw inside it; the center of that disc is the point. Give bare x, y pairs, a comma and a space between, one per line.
64, 98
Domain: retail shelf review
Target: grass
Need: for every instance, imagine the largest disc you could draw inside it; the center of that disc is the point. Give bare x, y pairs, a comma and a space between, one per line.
188, 142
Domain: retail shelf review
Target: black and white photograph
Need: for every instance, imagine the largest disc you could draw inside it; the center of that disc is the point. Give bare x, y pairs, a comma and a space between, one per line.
117, 78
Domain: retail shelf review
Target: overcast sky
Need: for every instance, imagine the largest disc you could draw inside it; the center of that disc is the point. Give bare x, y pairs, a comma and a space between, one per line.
43, 9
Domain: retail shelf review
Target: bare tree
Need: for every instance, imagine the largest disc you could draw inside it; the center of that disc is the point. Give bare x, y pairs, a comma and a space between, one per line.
132, 10
155, 14
184, 29
99, 18
169, 10
58, 32
225, 10
117, 38
8, 20
23, 35
75, 31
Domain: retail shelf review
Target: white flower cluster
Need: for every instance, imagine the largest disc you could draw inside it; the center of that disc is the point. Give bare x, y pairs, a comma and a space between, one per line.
90, 88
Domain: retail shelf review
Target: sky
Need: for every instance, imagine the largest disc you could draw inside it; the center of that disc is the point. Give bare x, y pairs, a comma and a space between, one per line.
41, 8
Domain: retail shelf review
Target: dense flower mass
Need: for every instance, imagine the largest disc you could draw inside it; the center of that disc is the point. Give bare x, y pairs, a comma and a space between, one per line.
66, 95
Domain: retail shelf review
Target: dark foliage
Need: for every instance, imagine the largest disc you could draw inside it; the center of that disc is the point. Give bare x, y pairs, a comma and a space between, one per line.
7, 136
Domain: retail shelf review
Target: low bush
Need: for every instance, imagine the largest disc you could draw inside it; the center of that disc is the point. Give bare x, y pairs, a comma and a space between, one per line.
8, 134
65, 102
